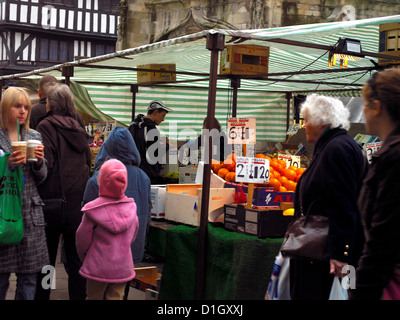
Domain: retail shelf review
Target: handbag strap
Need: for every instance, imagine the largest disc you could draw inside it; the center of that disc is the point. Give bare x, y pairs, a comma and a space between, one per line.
360, 180
59, 163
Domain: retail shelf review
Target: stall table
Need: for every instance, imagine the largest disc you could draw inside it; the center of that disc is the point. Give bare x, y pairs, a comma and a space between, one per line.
238, 266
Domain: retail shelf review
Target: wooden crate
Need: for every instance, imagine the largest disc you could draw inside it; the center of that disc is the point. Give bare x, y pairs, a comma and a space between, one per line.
183, 204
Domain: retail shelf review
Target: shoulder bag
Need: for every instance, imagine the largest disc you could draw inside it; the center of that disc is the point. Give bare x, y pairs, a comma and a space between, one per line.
11, 184
306, 237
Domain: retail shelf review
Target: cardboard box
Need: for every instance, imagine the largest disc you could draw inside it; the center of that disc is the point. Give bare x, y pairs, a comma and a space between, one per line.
264, 197
261, 223
187, 174
183, 203
146, 278
150, 77
389, 42
244, 60
157, 195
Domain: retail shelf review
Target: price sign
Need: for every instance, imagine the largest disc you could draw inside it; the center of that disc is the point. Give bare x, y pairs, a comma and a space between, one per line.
290, 160
242, 130
372, 148
252, 170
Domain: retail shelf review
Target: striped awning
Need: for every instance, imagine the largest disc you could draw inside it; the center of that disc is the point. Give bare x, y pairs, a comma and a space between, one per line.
298, 64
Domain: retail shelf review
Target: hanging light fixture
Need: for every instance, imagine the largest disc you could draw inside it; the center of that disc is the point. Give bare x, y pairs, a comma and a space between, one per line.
346, 49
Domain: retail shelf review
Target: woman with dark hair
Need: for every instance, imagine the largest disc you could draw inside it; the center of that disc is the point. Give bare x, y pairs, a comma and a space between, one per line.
378, 275
68, 159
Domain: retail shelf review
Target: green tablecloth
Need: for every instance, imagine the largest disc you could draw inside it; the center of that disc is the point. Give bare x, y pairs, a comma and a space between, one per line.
238, 266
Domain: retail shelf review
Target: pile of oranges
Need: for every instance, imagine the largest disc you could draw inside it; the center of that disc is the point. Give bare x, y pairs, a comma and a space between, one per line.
225, 169
282, 178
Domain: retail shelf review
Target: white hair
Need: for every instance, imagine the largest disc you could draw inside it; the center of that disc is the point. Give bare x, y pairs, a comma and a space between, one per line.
326, 111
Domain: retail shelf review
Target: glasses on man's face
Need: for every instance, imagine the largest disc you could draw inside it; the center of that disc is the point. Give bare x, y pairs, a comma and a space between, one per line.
371, 82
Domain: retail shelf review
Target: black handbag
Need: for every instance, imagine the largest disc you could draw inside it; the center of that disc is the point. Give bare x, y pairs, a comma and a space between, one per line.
307, 237
54, 208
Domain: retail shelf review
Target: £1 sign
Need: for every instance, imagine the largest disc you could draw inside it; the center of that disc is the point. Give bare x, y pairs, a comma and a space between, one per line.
252, 170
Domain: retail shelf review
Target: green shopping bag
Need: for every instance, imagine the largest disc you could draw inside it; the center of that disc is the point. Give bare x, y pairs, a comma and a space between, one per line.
11, 184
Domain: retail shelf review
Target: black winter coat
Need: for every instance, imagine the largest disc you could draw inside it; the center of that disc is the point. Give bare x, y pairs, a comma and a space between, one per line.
72, 167
379, 204
330, 187
141, 129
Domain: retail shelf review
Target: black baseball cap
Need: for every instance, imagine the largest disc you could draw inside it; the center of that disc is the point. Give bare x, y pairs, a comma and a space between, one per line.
156, 104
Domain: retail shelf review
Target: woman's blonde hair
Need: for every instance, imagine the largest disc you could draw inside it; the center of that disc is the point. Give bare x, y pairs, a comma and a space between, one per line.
323, 110
12, 96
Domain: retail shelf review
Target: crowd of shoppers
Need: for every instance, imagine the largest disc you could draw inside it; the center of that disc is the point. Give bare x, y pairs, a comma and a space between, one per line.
359, 200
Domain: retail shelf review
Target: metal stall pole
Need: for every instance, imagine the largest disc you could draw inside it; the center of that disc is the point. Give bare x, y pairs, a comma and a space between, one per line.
67, 72
235, 84
288, 98
134, 90
215, 43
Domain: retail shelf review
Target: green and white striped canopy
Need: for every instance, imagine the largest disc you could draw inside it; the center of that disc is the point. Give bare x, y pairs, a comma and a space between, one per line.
104, 92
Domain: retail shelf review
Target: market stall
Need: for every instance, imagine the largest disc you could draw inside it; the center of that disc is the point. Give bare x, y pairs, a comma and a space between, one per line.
238, 266
298, 59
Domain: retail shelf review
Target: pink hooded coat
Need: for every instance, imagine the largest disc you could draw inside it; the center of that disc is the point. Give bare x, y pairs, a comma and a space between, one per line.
109, 226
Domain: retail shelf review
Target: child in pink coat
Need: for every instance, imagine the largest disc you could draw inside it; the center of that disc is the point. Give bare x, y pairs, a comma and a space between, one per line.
103, 239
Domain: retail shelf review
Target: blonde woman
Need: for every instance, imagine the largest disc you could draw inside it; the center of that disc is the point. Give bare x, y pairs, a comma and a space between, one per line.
28, 257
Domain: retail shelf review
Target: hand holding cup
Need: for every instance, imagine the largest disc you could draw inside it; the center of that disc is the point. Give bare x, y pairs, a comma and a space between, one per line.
18, 156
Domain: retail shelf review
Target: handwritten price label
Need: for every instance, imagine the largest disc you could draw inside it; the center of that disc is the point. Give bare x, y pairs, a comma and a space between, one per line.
241, 130
252, 170
290, 160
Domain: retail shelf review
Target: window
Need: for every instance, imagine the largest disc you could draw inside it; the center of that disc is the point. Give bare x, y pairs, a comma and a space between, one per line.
54, 50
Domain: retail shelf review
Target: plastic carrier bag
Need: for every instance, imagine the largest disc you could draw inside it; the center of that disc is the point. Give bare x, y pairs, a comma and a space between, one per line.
11, 184
337, 291
279, 285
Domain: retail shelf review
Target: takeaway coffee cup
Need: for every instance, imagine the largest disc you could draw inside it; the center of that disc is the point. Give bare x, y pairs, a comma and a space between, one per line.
30, 151
20, 145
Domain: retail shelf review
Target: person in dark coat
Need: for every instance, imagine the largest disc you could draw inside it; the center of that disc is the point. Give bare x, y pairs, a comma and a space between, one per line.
378, 274
145, 134
329, 187
68, 157
194, 150
39, 110
28, 257
220, 148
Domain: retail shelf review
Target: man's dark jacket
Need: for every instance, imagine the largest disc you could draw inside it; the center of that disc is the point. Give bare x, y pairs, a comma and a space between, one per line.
139, 129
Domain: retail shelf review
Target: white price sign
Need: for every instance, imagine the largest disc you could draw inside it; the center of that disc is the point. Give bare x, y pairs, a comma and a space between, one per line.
242, 130
290, 160
252, 170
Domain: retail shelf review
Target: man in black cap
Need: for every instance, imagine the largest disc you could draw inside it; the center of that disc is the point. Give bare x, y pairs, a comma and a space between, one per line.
146, 135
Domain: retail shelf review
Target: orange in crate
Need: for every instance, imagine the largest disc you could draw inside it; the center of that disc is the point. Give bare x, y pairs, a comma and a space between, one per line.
223, 172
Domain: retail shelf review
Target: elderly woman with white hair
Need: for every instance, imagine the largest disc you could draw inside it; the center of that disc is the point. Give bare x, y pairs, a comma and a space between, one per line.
329, 187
